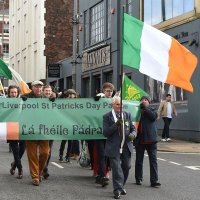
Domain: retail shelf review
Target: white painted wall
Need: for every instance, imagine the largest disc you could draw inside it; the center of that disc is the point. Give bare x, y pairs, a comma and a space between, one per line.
27, 38
5, 36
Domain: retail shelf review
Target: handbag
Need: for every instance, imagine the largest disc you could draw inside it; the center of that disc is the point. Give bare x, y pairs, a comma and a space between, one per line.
84, 159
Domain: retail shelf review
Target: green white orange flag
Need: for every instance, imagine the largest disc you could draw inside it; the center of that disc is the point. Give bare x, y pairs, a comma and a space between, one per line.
131, 91
9, 130
10, 73
157, 54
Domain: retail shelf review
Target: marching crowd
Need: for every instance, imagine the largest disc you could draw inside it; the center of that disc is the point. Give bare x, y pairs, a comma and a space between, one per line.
112, 154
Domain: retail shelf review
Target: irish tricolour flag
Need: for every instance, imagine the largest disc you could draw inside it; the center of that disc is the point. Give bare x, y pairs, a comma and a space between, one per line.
157, 54
11, 74
9, 131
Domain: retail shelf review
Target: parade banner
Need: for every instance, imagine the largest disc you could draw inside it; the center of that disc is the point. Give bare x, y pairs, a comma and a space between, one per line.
63, 119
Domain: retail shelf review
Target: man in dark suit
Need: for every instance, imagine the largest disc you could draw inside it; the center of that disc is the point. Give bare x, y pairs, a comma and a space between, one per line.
147, 140
120, 133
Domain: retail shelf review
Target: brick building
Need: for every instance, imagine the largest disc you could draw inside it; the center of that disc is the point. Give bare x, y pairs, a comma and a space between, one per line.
58, 30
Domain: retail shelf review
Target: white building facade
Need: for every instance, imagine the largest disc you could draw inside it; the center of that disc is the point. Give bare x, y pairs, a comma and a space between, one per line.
27, 47
4, 35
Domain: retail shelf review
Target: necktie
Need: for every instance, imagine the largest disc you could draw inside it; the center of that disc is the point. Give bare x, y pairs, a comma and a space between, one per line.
118, 115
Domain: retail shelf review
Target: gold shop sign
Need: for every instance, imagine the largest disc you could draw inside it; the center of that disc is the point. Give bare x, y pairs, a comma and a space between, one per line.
96, 59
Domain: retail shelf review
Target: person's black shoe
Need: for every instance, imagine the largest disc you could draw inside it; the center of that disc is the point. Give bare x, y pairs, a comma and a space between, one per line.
117, 194
60, 158
12, 169
156, 184
67, 159
45, 174
104, 181
123, 192
20, 174
138, 182
98, 179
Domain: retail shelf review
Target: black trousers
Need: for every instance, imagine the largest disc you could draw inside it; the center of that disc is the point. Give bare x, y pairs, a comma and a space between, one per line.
167, 121
152, 153
49, 157
91, 149
100, 144
75, 147
18, 148
62, 147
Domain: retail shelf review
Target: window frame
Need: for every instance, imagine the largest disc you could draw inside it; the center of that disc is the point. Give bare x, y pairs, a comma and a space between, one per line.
108, 18
100, 20
165, 23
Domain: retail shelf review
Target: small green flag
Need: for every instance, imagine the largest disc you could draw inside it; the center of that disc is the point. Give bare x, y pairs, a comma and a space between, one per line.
130, 91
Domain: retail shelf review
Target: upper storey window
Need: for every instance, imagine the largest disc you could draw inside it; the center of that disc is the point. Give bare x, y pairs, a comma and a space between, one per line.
156, 11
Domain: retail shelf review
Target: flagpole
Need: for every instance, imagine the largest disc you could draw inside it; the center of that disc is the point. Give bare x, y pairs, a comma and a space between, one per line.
121, 55
1, 86
121, 130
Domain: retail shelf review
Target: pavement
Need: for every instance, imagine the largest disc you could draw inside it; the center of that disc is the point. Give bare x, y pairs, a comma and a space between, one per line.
180, 146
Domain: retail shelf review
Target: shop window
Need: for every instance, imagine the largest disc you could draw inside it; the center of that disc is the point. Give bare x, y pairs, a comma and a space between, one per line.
86, 87
97, 85
69, 82
108, 77
61, 84
158, 90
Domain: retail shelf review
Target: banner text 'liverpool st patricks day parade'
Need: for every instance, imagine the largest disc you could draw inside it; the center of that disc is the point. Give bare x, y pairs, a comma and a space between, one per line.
41, 119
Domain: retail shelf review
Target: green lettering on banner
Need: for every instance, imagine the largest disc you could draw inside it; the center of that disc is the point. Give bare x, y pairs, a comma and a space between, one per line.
64, 119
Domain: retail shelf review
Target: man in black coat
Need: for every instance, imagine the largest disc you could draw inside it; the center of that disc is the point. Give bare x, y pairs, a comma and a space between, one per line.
146, 140
120, 133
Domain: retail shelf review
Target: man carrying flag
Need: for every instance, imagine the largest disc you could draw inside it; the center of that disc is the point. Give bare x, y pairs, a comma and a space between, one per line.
118, 150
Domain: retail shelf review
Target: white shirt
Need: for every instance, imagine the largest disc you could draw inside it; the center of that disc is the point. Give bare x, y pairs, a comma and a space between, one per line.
169, 110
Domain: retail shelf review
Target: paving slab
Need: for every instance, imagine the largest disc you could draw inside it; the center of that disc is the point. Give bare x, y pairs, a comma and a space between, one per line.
179, 146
